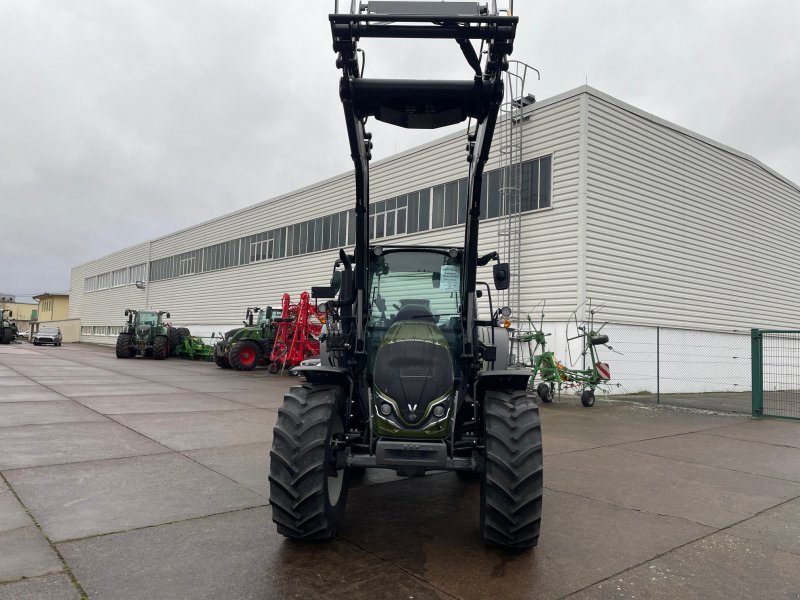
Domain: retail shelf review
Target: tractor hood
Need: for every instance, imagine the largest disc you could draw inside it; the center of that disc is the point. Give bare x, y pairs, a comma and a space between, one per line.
413, 375
232, 332
142, 331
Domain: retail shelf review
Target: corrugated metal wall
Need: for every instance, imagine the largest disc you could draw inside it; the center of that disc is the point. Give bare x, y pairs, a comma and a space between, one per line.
106, 307
682, 232
549, 252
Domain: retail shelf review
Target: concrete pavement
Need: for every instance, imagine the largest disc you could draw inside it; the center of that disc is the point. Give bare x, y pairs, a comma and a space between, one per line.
143, 479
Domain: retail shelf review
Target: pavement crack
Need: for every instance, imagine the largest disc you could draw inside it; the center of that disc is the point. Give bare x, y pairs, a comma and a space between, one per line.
67, 569
748, 441
632, 508
691, 462
154, 525
679, 547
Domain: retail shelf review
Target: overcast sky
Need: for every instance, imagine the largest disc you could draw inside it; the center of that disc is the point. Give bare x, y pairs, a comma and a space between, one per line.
121, 121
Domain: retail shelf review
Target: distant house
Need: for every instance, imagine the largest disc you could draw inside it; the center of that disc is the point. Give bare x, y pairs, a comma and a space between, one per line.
54, 312
23, 310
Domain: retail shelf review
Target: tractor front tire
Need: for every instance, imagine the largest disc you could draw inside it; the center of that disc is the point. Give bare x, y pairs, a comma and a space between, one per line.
222, 361
6, 336
160, 347
545, 392
123, 347
307, 493
512, 480
174, 336
587, 398
245, 355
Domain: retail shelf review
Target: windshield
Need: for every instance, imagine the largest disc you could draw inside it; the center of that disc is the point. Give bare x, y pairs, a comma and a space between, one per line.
146, 318
49, 330
422, 279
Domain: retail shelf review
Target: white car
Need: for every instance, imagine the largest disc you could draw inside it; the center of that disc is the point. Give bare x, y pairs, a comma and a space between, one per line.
47, 335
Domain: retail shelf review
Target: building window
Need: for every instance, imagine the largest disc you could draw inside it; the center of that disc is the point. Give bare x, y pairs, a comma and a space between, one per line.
86, 330
525, 187
351, 227
136, 273
103, 281
119, 277
389, 217
186, 266
90, 284
262, 249
536, 184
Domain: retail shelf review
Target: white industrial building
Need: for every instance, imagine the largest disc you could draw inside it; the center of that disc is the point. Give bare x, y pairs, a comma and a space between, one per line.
663, 226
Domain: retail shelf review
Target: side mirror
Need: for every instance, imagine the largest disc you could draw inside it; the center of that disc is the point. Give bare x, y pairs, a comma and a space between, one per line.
502, 276
213, 335
168, 315
479, 293
127, 312
336, 280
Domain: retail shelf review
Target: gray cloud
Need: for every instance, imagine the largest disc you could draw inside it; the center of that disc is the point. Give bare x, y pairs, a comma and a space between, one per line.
123, 121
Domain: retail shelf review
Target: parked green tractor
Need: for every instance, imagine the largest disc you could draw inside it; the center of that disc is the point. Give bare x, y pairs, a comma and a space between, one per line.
245, 347
8, 330
146, 334
411, 378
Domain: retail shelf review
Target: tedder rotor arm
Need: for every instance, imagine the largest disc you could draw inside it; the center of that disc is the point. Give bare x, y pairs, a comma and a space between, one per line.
422, 104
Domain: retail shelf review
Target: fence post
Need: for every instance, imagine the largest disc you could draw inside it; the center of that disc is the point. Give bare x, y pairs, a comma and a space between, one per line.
757, 371
658, 365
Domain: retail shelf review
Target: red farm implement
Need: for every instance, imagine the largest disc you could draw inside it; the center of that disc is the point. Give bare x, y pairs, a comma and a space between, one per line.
297, 335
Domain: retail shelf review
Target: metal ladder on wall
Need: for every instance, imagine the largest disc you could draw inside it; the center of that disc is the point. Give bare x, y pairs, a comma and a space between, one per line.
509, 225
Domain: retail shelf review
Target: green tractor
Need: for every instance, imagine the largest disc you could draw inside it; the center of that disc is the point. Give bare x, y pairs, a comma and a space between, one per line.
411, 379
147, 334
8, 330
245, 347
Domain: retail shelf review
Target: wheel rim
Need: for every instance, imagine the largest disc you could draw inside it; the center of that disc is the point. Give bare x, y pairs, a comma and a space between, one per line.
247, 356
335, 482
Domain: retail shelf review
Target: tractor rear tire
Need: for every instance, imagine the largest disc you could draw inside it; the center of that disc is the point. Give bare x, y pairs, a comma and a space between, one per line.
245, 355
545, 392
512, 480
183, 332
587, 398
160, 347
123, 347
307, 493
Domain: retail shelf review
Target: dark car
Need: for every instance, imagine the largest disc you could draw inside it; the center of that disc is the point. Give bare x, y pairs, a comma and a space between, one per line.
47, 335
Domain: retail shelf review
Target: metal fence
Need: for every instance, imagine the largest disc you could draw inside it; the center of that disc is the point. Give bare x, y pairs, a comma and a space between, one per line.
706, 369
776, 373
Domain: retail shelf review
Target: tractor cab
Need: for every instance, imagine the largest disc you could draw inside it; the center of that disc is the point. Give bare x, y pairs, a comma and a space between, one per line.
414, 338
264, 319
146, 317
